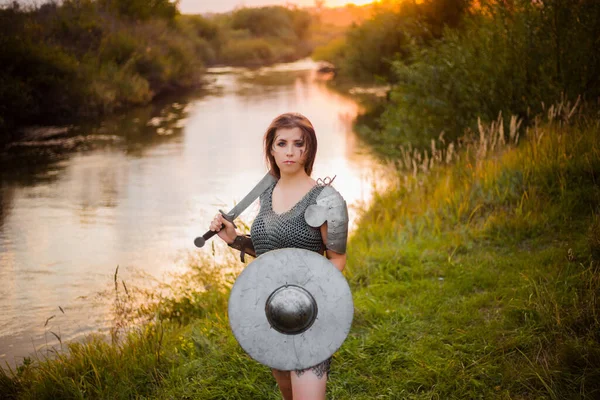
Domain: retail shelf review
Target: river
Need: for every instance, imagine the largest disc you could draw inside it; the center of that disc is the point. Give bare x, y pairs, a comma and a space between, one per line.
134, 190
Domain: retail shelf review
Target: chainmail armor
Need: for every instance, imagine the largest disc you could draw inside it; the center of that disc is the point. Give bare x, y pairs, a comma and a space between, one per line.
272, 231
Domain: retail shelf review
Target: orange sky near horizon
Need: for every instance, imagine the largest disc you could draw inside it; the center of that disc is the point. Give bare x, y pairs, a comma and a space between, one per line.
204, 6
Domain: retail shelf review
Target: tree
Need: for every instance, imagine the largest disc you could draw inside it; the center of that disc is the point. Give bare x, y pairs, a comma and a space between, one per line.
143, 10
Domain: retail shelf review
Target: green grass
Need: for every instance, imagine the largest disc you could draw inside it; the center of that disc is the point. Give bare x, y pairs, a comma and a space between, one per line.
473, 279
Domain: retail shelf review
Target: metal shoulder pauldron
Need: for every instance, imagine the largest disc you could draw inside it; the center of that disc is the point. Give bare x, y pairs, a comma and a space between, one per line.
330, 207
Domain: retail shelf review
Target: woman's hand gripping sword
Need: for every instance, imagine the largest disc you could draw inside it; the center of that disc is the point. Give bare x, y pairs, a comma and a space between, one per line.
260, 187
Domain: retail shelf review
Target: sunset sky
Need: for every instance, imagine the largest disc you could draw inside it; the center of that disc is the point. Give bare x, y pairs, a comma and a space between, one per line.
202, 6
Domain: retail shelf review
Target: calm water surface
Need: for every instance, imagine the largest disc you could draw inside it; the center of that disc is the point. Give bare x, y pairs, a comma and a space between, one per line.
140, 187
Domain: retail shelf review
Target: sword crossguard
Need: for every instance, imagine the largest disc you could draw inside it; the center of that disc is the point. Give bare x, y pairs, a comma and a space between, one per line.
228, 217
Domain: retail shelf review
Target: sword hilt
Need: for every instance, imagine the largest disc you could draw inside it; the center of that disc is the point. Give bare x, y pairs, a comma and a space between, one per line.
201, 240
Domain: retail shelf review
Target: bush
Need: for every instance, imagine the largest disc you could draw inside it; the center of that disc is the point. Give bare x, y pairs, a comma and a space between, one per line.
75, 26
143, 10
118, 48
391, 34
371, 47
512, 59
282, 23
333, 52
204, 27
115, 87
38, 80
208, 36
594, 238
259, 36
248, 52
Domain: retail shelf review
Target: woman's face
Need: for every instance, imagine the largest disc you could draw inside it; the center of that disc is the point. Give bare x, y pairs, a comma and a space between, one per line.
289, 150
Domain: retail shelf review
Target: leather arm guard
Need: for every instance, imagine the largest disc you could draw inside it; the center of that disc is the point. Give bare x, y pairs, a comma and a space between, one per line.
244, 244
331, 208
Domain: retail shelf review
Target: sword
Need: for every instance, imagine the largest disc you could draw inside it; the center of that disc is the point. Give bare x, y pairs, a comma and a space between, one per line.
239, 208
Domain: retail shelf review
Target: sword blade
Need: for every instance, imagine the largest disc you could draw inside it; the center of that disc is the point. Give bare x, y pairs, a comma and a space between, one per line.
260, 187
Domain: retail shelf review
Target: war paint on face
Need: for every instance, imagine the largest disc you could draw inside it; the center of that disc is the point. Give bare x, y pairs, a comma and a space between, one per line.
291, 121
289, 149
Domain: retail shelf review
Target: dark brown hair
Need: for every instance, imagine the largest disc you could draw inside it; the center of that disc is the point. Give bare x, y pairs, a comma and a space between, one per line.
289, 121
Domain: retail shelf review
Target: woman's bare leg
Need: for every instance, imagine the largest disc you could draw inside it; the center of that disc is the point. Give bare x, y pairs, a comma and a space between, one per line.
308, 385
284, 382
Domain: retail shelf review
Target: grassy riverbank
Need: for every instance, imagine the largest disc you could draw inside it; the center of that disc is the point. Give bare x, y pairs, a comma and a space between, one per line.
475, 276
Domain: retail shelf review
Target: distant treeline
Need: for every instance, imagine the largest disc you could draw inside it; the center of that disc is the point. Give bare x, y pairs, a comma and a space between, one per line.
85, 58
451, 61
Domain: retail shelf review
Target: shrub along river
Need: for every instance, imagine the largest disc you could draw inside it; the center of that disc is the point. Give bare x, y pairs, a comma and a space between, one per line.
135, 189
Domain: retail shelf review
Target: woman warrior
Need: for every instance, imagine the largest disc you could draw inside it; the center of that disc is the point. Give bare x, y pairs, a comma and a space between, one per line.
290, 146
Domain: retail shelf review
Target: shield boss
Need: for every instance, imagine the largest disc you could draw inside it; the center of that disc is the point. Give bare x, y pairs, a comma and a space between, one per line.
290, 309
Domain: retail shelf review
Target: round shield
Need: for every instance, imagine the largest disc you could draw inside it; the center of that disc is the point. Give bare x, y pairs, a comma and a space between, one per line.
290, 309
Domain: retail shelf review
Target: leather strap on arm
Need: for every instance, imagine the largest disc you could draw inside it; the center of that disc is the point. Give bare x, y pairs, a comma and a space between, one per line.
243, 243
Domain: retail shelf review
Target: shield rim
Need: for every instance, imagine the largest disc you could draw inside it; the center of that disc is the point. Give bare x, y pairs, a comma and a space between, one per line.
303, 268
